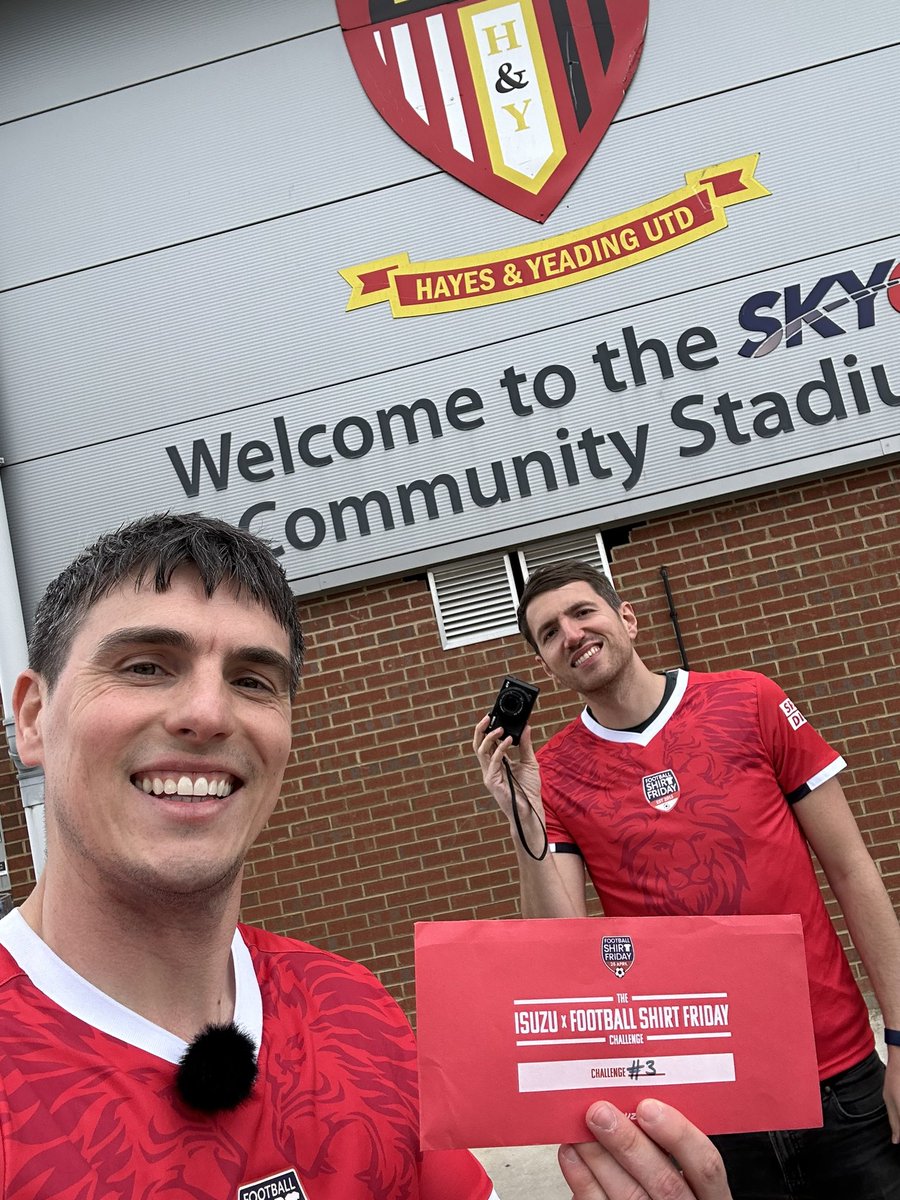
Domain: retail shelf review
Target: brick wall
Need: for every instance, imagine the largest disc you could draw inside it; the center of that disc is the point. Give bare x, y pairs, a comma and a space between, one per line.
12, 818
383, 822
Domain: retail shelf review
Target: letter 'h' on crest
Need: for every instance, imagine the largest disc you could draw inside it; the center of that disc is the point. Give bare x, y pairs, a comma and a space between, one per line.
511, 97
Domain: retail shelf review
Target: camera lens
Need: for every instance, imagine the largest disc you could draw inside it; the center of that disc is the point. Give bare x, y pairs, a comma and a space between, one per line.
512, 702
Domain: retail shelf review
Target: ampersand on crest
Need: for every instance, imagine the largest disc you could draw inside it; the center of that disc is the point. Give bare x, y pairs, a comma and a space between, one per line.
509, 80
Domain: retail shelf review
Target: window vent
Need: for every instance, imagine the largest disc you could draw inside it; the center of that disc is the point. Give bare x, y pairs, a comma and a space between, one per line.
584, 545
474, 599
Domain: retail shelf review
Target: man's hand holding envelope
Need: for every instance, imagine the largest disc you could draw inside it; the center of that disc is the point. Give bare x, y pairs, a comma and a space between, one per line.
662, 1152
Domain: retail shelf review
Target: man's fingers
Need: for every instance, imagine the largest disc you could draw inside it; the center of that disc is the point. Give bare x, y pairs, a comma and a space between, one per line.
625, 1163
892, 1100
605, 1177
499, 751
894, 1118
578, 1175
484, 743
478, 735
697, 1156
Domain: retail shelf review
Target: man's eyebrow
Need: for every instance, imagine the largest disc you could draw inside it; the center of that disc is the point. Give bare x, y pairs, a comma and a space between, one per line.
162, 635
568, 611
262, 656
143, 635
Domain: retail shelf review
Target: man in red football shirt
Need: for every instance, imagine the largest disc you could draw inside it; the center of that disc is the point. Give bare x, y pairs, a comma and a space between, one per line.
158, 702
689, 794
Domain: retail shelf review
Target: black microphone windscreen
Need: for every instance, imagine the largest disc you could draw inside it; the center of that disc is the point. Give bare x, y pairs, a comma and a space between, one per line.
218, 1069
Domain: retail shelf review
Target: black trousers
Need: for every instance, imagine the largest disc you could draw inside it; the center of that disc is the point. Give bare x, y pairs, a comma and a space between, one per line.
850, 1158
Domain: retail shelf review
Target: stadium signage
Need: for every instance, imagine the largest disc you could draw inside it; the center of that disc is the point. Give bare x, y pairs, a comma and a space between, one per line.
511, 97
682, 217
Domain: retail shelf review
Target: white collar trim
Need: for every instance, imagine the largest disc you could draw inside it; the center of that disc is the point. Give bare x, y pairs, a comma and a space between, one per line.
647, 735
77, 996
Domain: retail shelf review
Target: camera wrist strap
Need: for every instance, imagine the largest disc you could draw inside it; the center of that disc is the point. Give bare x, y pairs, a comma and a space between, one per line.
513, 788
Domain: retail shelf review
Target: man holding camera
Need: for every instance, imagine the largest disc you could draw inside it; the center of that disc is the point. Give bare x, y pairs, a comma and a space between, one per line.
689, 794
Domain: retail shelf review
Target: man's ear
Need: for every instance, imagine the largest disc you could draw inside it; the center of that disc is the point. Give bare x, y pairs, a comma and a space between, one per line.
28, 708
629, 619
545, 670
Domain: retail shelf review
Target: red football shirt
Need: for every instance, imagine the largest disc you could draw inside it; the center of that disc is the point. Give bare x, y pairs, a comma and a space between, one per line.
89, 1111
693, 816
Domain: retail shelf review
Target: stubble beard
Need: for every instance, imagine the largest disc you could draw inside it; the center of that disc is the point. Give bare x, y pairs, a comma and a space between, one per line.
614, 675
142, 886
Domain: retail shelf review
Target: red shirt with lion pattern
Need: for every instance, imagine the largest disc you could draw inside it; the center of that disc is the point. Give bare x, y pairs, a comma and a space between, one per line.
693, 816
89, 1110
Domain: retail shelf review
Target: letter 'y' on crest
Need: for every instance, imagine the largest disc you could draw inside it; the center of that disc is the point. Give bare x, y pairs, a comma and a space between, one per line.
511, 97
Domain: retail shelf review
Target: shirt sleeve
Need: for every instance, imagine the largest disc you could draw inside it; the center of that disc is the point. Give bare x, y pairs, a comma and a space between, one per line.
453, 1175
801, 758
559, 840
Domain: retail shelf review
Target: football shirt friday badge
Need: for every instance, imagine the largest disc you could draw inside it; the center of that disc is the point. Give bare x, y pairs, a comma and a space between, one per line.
283, 1186
661, 790
617, 953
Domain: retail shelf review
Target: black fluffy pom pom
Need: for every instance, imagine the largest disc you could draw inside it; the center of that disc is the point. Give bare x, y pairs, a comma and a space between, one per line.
218, 1069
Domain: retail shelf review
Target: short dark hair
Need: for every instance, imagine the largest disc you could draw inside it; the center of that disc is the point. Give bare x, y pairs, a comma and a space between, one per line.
152, 549
556, 575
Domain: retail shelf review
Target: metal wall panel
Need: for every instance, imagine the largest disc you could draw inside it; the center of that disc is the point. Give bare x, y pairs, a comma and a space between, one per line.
137, 474
183, 239
288, 127
191, 155
55, 52
217, 325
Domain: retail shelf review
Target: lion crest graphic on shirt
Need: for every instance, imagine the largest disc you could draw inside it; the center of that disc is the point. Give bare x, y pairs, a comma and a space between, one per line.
688, 872
661, 790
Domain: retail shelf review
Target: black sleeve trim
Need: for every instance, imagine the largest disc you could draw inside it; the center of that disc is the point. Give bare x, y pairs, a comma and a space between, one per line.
564, 848
798, 793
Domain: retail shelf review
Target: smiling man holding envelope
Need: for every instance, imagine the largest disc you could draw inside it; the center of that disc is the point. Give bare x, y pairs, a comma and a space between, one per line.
687, 794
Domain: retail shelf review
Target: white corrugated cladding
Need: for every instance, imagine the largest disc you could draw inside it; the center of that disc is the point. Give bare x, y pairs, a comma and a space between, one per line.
182, 182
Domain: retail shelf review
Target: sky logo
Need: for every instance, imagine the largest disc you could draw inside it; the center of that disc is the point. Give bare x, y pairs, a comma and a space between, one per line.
786, 316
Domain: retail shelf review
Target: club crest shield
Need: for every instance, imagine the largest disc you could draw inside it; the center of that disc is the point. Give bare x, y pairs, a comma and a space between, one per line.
662, 790
617, 954
511, 97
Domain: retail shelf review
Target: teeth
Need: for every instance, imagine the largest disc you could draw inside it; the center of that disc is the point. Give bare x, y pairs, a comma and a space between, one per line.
183, 786
590, 654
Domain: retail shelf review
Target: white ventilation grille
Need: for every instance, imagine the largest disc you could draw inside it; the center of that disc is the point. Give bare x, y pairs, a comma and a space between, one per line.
585, 545
474, 599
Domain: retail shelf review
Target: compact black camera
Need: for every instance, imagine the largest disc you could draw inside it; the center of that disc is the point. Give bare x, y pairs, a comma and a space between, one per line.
513, 706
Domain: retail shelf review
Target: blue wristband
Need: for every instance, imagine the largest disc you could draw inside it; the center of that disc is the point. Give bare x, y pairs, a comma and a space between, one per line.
892, 1037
